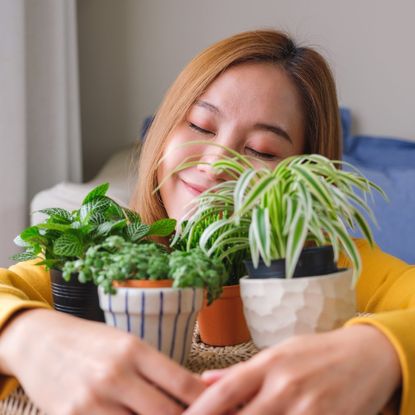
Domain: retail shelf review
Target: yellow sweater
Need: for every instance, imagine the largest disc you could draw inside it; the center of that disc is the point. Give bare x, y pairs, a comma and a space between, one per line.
386, 287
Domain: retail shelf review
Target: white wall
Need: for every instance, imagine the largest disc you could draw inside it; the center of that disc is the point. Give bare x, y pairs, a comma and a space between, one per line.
104, 57
132, 50
369, 44
12, 113
39, 107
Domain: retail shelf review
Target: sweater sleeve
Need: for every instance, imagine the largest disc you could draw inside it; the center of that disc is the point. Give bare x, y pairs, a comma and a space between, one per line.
386, 288
22, 286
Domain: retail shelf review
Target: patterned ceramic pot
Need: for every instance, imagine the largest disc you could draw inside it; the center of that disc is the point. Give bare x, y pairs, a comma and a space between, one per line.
163, 317
276, 309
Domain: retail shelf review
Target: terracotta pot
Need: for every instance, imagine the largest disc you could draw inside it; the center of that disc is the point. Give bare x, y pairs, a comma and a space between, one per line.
143, 283
223, 323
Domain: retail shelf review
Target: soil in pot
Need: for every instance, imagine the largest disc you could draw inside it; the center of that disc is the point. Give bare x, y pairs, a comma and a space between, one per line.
223, 323
313, 261
75, 298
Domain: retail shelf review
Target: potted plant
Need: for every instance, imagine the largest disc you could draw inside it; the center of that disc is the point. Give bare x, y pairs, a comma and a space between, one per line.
65, 236
145, 290
221, 323
294, 220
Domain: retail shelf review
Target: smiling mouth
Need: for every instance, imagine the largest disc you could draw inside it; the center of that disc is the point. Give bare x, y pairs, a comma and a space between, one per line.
194, 189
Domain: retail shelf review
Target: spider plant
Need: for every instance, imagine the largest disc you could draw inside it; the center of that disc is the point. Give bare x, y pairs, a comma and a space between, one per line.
213, 208
276, 212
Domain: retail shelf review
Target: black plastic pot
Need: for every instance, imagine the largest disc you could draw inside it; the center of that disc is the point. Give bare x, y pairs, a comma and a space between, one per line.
312, 262
75, 298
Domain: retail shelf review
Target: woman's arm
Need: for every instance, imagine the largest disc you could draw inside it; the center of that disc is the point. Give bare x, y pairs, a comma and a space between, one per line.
386, 288
351, 371
70, 365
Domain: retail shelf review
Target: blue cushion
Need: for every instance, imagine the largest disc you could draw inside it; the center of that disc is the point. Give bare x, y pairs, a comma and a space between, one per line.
390, 163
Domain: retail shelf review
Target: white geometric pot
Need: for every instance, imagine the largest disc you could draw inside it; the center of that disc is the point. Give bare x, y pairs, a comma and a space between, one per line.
276, 309
162, 317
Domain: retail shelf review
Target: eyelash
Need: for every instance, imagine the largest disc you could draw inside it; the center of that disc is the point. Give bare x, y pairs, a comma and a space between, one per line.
200, 130
263, 156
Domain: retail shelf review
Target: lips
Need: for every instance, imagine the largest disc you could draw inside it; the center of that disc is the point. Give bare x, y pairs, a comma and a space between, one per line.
194, 188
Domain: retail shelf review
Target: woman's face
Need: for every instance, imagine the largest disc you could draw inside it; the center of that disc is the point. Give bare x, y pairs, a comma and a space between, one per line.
252, 108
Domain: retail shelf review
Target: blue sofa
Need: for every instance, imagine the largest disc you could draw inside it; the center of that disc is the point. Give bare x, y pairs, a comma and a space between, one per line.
390, 163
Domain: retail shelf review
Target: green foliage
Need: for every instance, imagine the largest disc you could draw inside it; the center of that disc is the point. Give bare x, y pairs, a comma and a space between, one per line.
65, 236
116, 259
193, 234
195, 269
274, 213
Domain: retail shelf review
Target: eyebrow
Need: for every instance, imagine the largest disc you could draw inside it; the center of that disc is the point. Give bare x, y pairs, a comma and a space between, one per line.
208, 106
276, 129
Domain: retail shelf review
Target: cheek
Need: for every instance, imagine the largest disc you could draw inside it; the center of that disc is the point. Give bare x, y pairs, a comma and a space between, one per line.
173, 156
172, 192
177, 151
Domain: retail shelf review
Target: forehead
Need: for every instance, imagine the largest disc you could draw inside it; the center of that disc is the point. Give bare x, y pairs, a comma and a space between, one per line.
258, 89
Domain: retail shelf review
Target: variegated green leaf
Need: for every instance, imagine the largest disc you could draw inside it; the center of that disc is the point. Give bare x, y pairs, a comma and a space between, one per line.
242, 186
54, 226
350, 249
162, 227
261, 229
255, 194
68, 245
57, 213
136, 231
295, 242
317, 186
100, 190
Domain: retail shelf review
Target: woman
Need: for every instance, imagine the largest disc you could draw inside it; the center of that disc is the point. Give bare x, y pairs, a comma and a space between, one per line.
261, 95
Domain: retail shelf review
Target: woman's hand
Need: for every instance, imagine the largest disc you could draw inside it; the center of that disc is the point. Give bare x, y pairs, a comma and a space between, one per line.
351, 371
73, 366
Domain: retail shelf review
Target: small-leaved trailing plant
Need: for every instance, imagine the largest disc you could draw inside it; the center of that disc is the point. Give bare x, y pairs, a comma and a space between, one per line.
274, 213
116, 259
64, 236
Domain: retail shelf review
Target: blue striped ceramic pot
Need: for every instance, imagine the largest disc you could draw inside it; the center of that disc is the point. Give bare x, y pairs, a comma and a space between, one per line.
162, 317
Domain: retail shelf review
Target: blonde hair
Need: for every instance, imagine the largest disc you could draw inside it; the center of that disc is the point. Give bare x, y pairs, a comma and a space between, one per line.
307, 69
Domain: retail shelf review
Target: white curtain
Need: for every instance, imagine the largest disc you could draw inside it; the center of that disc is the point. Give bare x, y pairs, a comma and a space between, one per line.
40, 143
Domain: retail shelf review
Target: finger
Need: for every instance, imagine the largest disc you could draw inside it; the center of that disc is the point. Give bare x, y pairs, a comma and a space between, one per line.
146, 399
170, 376
238, 385
108, 409
90, 407
262, 404
212, 376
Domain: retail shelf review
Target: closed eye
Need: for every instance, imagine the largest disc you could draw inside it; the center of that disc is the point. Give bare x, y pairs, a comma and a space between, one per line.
263, 156
199, 129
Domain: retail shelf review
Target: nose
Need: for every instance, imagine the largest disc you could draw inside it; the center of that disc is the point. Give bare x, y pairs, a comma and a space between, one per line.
210, 155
